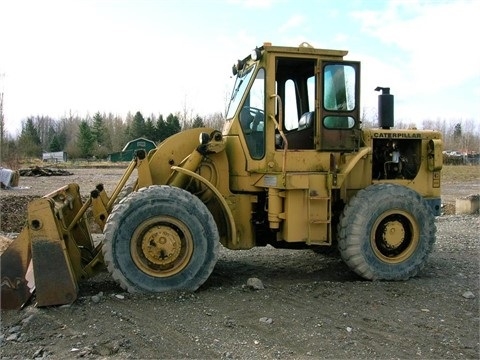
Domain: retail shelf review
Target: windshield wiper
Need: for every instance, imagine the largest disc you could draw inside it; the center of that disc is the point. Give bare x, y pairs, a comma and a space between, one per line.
237, 89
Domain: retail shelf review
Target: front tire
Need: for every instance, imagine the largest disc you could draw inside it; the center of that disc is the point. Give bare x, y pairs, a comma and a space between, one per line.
386, 232
160, 238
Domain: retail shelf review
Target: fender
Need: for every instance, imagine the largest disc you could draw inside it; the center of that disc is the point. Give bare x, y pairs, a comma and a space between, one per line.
232, 230
172, 152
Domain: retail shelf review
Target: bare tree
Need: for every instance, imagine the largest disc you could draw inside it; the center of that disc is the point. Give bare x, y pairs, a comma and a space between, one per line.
470, 138
186, 115
116, 127
215, 121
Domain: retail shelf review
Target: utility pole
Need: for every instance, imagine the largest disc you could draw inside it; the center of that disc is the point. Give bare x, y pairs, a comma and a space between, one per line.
2, 120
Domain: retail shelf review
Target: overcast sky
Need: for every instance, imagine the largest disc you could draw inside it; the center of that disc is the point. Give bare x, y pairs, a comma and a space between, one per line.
80, 57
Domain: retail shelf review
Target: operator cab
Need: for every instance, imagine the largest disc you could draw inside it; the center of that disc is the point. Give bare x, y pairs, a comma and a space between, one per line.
312, 95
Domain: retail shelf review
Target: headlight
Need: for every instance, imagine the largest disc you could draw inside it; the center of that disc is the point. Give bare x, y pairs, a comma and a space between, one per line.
203, 138
256, 54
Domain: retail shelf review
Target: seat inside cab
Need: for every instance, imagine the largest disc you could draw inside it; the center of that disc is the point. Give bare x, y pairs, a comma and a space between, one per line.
302, 137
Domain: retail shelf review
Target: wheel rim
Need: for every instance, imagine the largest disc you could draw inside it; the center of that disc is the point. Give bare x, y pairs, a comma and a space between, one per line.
161, 246
395, 236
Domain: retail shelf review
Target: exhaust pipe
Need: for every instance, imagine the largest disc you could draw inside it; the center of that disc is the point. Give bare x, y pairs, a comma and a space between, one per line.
385, 108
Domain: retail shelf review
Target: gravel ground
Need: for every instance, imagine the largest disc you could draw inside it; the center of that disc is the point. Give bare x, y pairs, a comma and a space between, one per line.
311, 306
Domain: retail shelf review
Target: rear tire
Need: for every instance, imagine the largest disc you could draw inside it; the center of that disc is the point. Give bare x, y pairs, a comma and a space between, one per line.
160, 238
386, 232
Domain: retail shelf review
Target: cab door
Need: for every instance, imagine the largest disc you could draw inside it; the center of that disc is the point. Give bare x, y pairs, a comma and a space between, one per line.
339, 112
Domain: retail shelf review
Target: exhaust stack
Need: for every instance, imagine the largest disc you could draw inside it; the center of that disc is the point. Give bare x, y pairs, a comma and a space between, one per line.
385, 108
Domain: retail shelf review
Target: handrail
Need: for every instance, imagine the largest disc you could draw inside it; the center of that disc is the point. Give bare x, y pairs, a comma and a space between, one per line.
282, 134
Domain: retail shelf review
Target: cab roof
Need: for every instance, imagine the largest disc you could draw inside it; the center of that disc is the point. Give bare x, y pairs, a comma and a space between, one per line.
304, 48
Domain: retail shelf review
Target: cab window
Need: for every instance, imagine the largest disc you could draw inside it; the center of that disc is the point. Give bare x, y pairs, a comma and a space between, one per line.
339, 95
252, 117
339, 87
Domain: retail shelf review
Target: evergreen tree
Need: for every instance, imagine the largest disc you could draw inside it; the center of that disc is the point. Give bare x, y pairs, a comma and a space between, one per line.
150, 131
127, 135
137, 129
98, 129
102, 140
160, 130
61, 135
51, 133
29, 140
85, 140
173, 125
198, 122
55, 144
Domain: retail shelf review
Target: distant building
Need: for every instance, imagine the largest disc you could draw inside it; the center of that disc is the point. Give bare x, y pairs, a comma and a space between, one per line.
58, 156
129, 150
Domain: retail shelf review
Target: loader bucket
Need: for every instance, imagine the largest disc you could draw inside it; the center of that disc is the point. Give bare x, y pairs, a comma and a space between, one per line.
16, 272
57, 242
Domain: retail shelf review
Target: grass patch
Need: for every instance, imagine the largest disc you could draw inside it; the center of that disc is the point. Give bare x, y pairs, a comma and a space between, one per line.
460, 172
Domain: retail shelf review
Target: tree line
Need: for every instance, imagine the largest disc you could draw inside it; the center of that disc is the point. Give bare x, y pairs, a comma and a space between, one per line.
93, 137
102, 134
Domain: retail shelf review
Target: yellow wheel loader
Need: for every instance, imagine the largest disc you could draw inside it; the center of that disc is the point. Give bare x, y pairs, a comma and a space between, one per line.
292, 168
